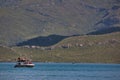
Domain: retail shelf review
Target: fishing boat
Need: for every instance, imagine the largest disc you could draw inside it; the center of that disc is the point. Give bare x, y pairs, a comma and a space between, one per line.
22, 62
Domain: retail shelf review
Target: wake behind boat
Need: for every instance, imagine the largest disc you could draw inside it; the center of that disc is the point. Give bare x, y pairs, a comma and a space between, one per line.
23, 62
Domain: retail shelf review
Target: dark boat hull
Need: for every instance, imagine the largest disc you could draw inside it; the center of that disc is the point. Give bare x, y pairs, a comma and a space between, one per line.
24, 65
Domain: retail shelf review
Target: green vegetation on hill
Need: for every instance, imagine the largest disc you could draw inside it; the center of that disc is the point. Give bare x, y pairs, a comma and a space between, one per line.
88, 48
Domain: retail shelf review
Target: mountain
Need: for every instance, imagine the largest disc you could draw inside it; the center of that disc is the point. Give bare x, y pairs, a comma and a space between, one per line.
103, 48
22, 20
43, 41
7, 54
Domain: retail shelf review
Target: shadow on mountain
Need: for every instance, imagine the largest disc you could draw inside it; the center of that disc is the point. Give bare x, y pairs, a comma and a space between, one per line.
105, 31
43, 40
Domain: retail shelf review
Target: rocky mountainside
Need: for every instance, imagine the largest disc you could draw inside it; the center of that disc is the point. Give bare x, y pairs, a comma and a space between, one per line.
21, 20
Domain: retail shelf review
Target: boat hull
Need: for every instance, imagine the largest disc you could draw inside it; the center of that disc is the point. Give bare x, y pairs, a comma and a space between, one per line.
24, 65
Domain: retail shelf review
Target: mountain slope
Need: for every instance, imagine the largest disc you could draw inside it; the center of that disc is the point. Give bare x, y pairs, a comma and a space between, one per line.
26, 19
88, 48
7, 54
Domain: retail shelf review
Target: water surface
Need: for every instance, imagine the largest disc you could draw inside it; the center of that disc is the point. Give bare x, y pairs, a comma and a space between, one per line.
61, 71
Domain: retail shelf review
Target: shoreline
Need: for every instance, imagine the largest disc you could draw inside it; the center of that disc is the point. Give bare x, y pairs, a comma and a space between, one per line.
63, 62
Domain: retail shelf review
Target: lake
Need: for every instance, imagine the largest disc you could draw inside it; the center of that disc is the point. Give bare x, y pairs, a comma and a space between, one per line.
61, 71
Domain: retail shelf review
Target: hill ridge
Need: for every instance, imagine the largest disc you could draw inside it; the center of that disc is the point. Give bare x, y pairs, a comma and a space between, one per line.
21, 20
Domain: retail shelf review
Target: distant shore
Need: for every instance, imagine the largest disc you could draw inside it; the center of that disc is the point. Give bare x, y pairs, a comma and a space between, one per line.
77, 49
62, 62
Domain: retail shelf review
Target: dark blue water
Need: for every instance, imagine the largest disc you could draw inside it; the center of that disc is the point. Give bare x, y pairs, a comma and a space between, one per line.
61, 71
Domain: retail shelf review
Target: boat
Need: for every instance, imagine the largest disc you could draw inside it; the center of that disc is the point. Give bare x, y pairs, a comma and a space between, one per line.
22, 62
